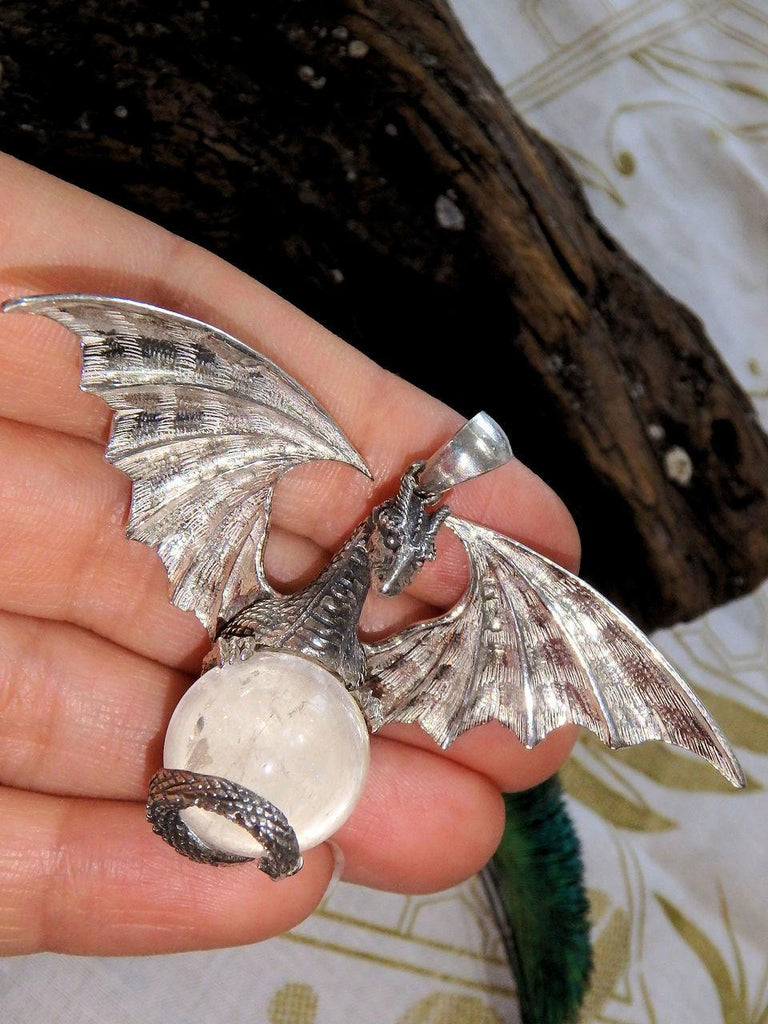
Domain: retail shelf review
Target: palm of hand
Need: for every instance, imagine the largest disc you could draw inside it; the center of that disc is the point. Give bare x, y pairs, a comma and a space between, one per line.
93, 658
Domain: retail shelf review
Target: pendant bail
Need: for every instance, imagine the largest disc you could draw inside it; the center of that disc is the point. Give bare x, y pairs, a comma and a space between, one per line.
480, 446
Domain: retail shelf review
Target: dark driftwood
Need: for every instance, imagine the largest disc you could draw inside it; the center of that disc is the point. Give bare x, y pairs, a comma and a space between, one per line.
358, 158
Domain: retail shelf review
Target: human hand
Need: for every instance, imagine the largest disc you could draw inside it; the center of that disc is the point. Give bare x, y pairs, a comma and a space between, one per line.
93, 657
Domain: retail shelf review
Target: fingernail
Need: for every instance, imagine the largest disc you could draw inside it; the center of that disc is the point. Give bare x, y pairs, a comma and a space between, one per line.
338, 868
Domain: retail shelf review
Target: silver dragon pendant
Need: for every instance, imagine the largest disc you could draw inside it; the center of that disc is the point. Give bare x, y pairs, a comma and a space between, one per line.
205, 427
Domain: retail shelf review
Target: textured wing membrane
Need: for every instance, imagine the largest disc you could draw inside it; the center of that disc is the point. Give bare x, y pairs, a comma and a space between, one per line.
535, 647
204, 427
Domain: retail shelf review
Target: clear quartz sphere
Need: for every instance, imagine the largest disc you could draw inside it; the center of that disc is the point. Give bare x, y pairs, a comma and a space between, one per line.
285, 728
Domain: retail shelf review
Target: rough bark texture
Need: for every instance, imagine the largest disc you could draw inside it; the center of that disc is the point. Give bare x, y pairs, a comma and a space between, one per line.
358, 158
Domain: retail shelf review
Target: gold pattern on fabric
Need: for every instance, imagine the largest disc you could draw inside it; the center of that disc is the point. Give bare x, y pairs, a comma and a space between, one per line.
294, 1003
444, 1008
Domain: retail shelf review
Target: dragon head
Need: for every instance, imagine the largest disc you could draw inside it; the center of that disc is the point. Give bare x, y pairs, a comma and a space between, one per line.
403, 535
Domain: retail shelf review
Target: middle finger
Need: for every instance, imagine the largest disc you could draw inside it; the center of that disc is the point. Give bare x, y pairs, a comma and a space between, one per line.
86, 717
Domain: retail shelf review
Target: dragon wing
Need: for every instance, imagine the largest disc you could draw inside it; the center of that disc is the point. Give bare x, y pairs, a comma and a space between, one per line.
204, 427
534, 646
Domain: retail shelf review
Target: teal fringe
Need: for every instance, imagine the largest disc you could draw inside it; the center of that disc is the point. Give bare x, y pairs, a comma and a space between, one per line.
535, 883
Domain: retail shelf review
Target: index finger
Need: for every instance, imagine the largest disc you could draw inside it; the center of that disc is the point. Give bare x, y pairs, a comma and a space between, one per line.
82, 243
